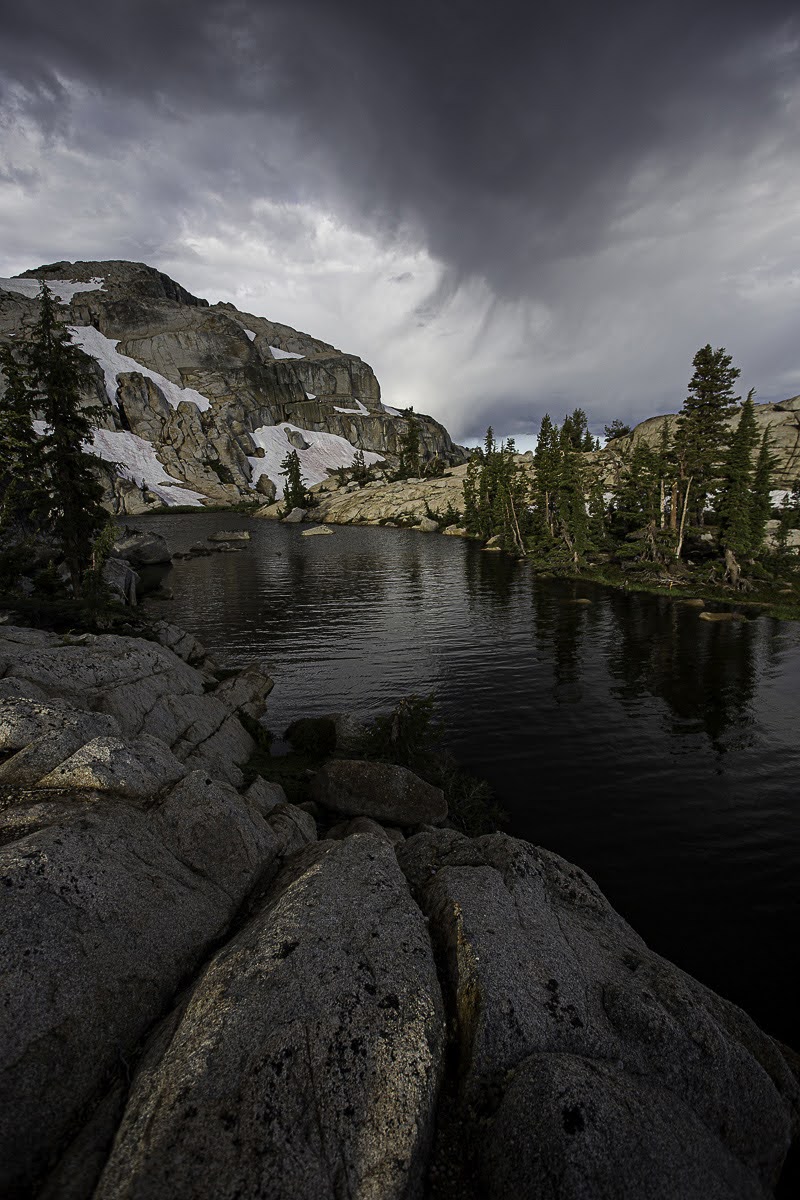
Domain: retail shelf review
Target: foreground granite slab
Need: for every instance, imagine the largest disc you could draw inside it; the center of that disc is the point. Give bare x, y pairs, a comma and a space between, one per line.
588, 1065
198, 998
306, 1061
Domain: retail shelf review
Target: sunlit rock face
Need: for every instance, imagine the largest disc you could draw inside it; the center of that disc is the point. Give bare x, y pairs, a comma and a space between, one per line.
780, 421
186, 385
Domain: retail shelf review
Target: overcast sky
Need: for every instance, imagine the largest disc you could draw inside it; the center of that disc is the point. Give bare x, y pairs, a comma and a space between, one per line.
505, 208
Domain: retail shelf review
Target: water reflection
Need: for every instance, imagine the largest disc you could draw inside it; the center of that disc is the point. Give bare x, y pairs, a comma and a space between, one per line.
560, 627
657, 750
491, 578
704, 671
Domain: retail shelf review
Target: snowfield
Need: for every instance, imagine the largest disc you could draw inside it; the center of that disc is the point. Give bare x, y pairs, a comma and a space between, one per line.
104, 351
391, 412
63, 289
276, 352
361, 411
325, 450
137, 461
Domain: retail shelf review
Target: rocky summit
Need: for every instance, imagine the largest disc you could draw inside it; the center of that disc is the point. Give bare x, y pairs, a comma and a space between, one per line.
209, 991
201, 401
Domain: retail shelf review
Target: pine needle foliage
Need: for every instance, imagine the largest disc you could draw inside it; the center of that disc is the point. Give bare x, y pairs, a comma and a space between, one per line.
295, 494
760, 494
55, 484
702, 435
735, 510
410, 463
496, 494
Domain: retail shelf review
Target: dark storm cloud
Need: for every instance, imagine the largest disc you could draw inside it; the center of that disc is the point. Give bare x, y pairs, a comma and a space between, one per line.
504, 137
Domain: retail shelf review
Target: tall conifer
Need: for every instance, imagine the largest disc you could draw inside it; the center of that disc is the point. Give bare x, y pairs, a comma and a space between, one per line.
46, 374
294, 491
702, 430
410, 456
735, 507
760, 498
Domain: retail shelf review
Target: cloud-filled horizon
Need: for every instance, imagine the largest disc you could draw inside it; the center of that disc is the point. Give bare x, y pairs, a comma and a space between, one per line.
505, 210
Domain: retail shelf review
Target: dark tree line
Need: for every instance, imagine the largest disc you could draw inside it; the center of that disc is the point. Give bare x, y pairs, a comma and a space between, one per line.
706, 478
50, 488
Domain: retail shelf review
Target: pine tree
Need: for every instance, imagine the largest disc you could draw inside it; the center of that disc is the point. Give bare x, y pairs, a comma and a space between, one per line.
637, 502
495, 494
471, 491
665, 467
572, 518
702, 429
547, 464
760, 498
294, 491
20, 452
576, 425
616, 429
410, 461
45, 375
361, 472
735, 507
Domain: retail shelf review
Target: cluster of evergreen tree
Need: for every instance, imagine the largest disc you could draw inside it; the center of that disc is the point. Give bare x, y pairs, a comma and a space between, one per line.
565, 504
495, 494
50, 489
704, 466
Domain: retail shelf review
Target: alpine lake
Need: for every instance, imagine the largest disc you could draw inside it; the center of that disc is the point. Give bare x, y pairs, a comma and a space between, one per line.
658, 751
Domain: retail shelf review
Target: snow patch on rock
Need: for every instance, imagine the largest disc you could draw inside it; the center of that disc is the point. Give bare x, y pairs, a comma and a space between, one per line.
391, 412
276, 352
324, 451
63, 289
310, 396
361, 411
250, 334
136, 459
104, 351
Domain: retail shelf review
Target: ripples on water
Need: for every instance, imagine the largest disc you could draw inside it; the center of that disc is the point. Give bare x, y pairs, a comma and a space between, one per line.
658, 751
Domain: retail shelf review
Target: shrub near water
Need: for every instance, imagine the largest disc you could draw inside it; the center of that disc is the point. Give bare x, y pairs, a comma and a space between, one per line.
409, 736
412, 738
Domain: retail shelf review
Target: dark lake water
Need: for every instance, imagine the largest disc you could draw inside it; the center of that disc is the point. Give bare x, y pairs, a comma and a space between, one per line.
658, 751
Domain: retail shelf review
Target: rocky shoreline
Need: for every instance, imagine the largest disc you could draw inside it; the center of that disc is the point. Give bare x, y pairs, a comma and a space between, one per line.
212, 991
404, 502
431, 505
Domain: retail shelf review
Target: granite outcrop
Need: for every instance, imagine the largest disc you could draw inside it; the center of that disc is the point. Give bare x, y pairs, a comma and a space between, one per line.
212, 991
202, 401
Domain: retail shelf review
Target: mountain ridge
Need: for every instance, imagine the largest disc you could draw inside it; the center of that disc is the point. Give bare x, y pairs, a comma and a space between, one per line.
204, 399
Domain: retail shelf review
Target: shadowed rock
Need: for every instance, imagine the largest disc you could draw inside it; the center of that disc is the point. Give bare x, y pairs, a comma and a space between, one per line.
382, 791
136, 769
147, 688
101, 922
142, 549
307, 1059
592, 1067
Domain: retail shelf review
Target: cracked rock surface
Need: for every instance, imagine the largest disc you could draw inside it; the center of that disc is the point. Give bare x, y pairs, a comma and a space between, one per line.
202, 999
307, 1059
588, 1066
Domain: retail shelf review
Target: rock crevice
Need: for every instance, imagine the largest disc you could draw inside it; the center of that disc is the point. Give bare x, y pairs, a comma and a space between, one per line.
203, 999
